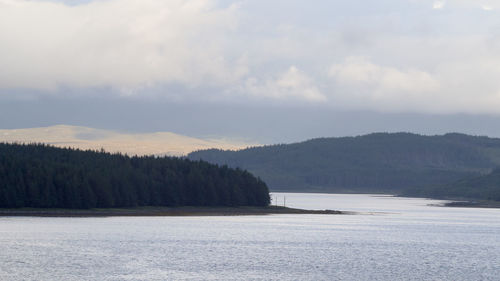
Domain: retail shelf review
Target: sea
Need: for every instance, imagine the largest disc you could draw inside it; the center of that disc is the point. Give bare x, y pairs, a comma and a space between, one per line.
384, 238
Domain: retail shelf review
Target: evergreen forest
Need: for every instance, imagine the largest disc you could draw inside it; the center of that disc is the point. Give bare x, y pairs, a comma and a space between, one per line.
42, 176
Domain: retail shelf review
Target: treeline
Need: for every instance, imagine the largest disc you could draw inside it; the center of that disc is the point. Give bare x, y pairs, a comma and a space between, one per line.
380, 162
42, 176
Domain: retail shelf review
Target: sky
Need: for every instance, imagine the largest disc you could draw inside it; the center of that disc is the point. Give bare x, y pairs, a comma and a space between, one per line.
265, 71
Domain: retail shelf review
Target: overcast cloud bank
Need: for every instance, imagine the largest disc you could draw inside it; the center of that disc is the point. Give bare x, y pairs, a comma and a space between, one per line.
389, 56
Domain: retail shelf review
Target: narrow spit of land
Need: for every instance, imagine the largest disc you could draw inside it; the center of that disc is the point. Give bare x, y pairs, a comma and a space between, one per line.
163, 211
473, 204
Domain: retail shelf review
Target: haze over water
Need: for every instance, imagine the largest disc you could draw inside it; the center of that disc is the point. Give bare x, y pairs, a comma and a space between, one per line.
406, 240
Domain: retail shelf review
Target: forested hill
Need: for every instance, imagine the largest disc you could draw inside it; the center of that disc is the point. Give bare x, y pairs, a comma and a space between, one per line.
486, 187
49, 177
380, 162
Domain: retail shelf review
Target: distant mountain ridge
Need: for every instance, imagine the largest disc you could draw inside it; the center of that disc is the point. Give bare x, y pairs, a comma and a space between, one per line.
159, 143
378, 162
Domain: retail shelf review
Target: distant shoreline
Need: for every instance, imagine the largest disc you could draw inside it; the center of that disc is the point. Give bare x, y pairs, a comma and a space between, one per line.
163, 211
473, 204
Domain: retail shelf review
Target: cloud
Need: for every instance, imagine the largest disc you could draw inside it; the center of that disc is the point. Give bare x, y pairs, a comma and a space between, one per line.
118, 43
438, 5
292, 84
486, 7
387, 57
361, 72
366, 82
466, 86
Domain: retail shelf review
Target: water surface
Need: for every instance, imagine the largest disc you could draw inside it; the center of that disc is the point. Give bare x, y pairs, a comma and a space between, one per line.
392, 239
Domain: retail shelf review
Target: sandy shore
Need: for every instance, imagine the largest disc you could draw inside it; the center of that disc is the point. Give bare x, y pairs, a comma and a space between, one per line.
162, 211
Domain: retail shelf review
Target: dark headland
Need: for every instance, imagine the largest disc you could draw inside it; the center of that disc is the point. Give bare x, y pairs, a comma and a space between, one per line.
41, 176
40, 180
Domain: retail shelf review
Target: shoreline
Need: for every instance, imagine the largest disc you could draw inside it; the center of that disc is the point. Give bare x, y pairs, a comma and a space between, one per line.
164, 211
473, 204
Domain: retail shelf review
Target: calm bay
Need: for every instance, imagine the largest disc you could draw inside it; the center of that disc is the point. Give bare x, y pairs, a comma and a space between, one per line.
391, 238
